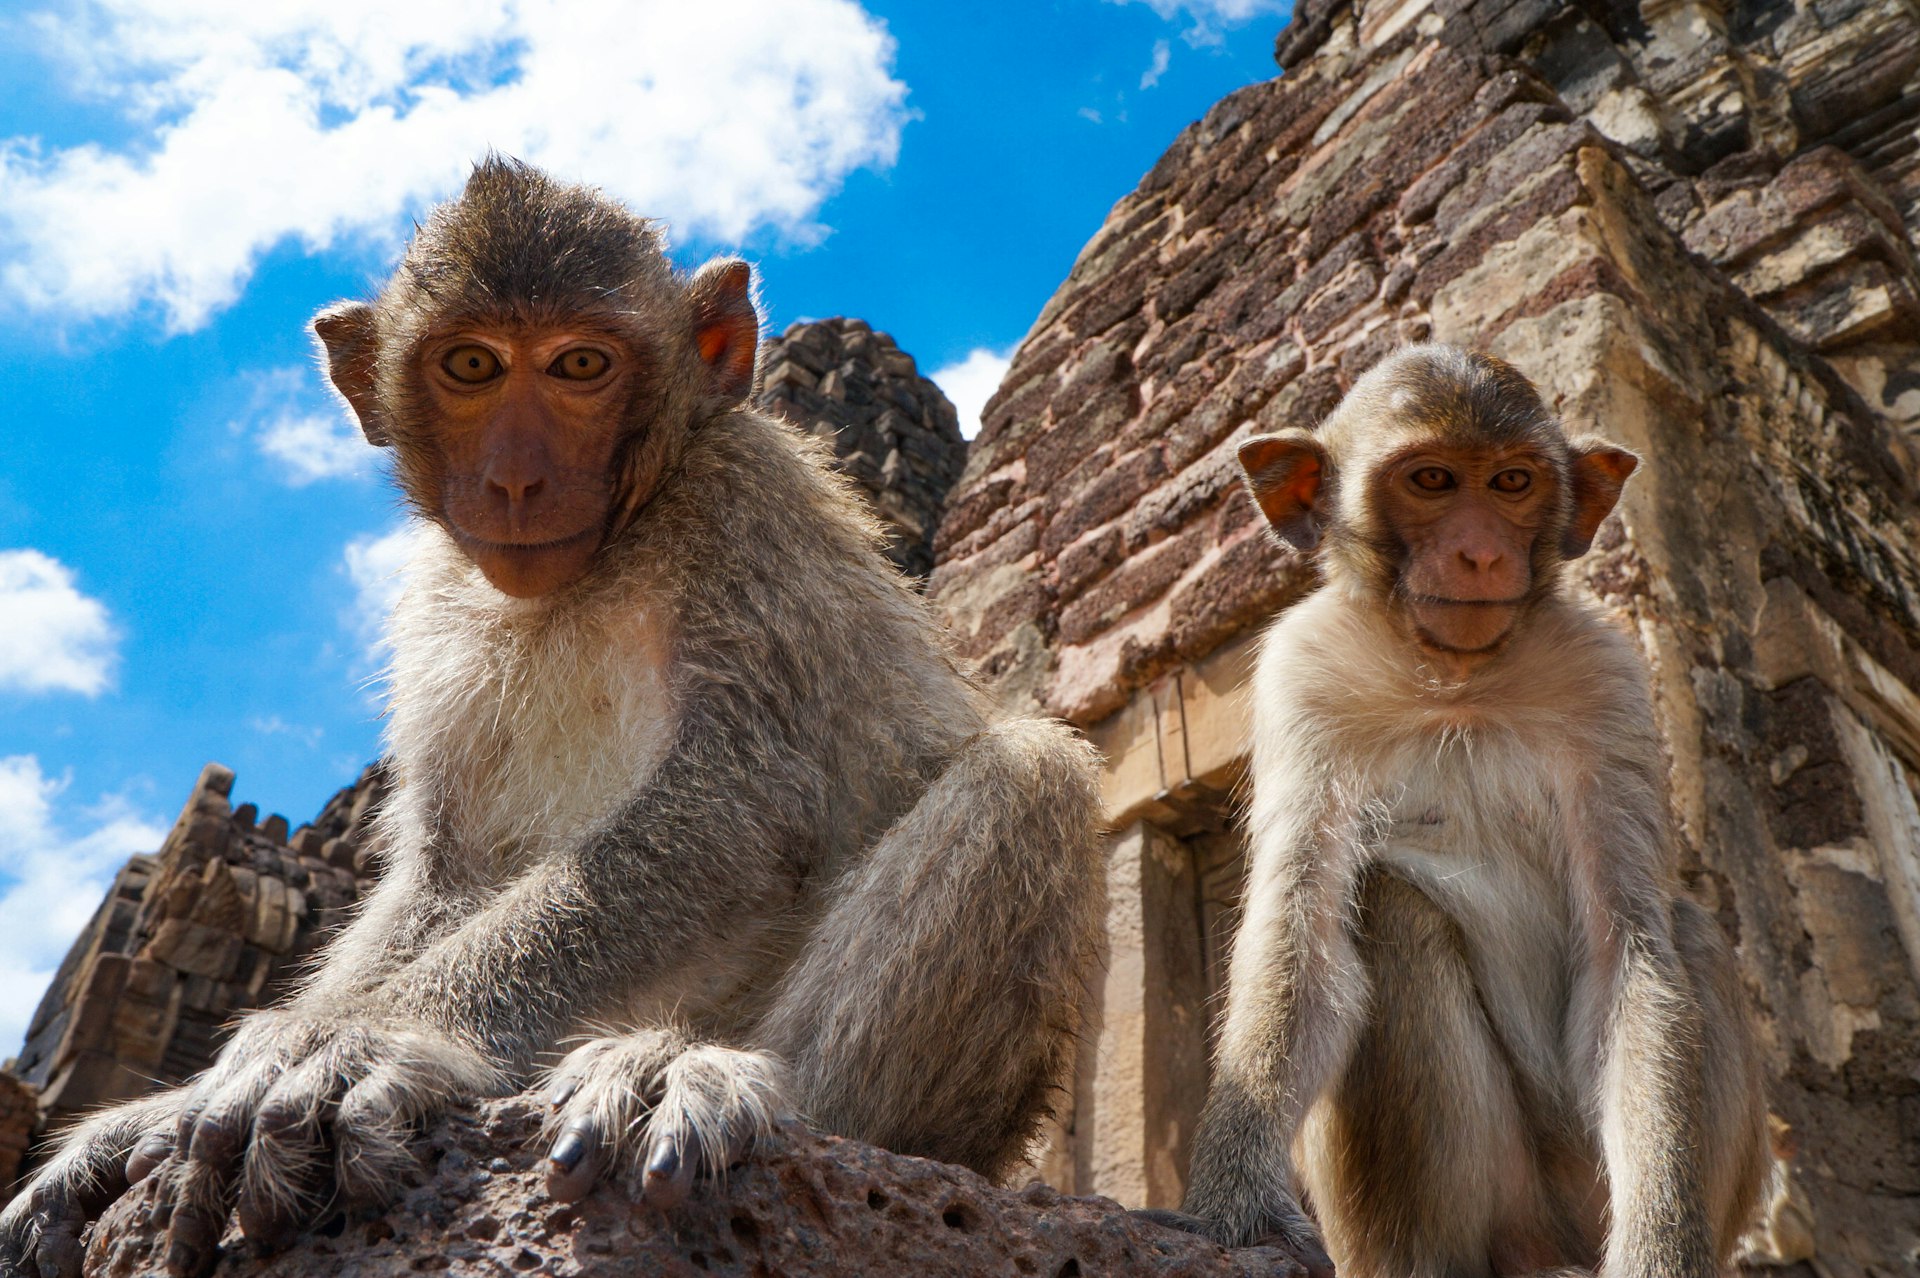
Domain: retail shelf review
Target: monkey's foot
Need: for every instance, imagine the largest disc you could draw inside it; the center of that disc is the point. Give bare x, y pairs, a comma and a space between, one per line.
40, 1229
1301, 1243
294, 1111
675, 1109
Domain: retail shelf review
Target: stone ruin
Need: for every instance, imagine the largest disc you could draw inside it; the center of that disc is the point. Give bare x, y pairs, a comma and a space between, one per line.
213, 924
892, 430
1693, 224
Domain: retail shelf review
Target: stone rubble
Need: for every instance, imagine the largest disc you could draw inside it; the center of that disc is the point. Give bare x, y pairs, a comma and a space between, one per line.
810, 1207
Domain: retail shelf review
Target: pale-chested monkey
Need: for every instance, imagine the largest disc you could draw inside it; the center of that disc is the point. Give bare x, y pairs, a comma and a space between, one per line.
683, 768
1469, 1016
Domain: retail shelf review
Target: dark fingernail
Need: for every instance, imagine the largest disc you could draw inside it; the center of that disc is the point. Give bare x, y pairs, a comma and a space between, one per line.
567, 1151
665, 1161
562, 1094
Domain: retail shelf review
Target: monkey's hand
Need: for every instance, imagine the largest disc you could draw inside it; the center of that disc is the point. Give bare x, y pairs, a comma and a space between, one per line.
672, 1108
1291, 1232
295, 1107
40, 1230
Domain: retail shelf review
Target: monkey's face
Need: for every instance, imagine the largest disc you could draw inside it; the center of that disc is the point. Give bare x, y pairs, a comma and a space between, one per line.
1467, 522
534, 424
1443, 489
527, 425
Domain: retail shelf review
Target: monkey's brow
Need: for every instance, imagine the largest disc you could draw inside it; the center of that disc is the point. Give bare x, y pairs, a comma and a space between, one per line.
1464, 449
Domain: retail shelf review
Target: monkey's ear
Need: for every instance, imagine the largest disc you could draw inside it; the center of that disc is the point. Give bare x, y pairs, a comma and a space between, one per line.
346, 332
726, 328
1598, 471
1286, 473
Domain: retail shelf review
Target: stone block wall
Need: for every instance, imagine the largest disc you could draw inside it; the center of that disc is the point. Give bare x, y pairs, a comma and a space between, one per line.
1692, 225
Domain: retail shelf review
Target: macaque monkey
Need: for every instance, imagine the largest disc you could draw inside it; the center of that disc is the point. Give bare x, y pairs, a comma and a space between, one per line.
691, 797
1469, 1017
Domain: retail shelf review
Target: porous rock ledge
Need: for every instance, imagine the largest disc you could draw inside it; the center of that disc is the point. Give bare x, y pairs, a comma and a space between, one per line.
810, 1205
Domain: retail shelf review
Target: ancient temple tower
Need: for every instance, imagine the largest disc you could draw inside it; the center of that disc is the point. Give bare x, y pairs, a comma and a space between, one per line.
1692, 224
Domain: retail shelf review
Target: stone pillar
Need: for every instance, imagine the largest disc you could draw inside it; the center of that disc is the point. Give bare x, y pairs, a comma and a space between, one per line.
1144, 1079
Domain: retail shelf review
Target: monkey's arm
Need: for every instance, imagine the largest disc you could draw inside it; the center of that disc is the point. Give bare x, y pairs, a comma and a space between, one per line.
717, 831
1294, 1000
721, 831
1643, 1021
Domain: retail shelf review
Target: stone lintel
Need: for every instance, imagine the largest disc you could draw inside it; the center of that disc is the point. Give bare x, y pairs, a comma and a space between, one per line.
1179, 745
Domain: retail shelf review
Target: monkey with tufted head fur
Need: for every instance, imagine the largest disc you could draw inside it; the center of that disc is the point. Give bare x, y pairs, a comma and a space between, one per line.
690, 796
1469, 1014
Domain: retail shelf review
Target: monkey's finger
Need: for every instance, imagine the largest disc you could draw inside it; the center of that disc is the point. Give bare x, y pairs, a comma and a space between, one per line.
669, 1171
576, 1160
195, 1192
284, 1178
373, 1133
153, 1150
63, 1209
57, 1252
59, 1220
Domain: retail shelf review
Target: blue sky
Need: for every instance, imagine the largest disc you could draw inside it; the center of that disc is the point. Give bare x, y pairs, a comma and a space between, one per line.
194, 544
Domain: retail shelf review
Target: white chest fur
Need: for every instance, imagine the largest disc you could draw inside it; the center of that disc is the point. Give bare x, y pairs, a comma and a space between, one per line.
517, 726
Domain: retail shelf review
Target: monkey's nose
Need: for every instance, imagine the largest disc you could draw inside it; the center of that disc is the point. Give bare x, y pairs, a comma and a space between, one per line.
516, 488
1482, 558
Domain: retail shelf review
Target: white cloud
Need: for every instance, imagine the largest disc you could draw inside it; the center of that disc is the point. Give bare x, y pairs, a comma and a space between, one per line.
1162, 55
374, 565
307, 433
328, 120
316, 446
54, 870
1208, 16
52, 637
971, 382
275, 726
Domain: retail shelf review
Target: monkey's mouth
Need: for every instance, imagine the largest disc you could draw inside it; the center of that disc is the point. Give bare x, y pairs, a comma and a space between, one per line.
1440, 601
1464, 627
480, 545
529, 569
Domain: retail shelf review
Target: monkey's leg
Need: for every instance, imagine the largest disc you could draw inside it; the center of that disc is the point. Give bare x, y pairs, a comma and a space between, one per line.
935, 1005
1417, 1162
674, 1106
40, 1229
1734, 1155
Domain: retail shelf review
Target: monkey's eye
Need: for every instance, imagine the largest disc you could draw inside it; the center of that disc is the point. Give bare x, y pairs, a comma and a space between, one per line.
471, 364
581, 364
1433, 479
1511, 482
